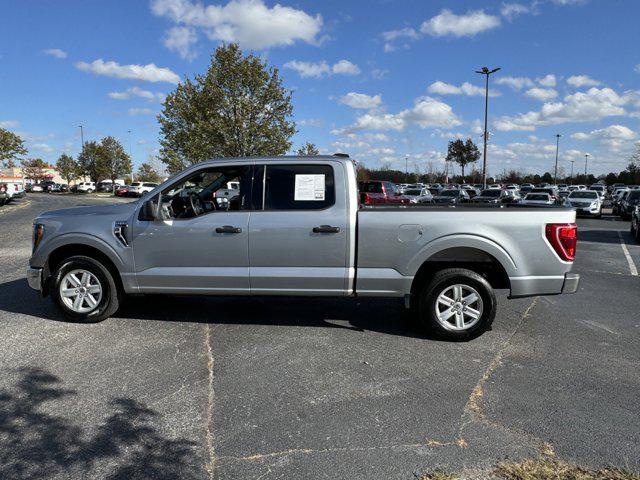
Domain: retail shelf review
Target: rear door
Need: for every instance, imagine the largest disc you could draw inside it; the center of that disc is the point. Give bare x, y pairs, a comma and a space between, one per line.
298, 238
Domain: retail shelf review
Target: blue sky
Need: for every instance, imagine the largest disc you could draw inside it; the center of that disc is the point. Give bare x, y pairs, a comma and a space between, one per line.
376, 79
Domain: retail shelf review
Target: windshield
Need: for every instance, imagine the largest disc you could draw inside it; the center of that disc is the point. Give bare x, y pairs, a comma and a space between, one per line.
583, 194
537, 196
412, 193
491, 193
371, 187
449, 193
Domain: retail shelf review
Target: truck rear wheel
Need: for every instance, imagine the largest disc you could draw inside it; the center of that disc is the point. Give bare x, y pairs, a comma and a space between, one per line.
457, 304
85, 290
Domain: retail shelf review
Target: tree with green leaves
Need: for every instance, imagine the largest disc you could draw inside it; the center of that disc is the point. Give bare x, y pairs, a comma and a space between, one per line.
462, 153
308, 149
89, 162
238, 108
148, 173
113, 161
34, 169
11, 146
67, 167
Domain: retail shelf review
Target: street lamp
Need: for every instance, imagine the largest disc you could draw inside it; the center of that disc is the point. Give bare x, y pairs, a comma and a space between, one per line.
586, 160
81, 137
555, 173
406, 168
130, 157
485, 71
572, 162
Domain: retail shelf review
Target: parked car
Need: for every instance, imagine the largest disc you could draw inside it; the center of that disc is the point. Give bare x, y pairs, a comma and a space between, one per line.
617, 198
36, 188
137, 189
374, 192
122, 191
3, 193
297, 229
600, 188
64, 187
86, 187
628, 204
490, 195
452, 196
635, 223
418, 195
47, 185
14, 190
541, 198
586, 202
551, 191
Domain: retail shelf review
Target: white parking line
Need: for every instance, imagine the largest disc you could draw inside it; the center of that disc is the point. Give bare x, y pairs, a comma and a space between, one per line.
632, 266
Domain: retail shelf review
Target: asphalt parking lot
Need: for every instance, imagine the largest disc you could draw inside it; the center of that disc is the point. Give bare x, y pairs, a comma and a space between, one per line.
305, 388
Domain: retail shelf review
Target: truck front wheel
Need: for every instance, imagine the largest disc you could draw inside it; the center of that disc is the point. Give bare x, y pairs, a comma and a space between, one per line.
457, 304
85, 290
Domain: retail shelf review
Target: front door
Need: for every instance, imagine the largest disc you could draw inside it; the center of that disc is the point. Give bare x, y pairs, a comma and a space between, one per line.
201, 243
298, 240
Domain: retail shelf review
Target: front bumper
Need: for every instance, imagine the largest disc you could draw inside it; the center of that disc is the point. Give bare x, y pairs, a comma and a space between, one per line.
34, 278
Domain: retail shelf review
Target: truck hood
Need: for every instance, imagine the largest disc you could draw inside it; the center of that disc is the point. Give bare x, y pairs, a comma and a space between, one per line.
117, 209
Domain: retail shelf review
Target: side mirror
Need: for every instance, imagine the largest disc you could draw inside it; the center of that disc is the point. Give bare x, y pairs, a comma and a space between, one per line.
149, 210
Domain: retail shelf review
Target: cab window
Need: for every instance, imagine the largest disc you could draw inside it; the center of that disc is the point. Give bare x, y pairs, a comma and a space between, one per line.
298, 187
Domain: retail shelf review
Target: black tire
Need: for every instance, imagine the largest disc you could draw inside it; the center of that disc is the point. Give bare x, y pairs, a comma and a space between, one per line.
439, 283
111, 296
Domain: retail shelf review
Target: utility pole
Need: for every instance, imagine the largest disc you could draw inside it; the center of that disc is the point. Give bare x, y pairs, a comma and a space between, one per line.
572, 162
485, 71
555, 172
586, 160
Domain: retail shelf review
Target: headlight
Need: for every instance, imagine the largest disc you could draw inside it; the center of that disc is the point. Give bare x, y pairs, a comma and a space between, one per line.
38, 234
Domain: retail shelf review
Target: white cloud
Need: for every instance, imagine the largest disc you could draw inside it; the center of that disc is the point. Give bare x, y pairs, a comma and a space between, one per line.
469, 24
249, 22
442, 88
402, 33
517, 83
137, 92
361, 100
637, 69
547, 80
320, 69
580, 81
542, 94
312, 122
345, 67
140, 111
55, 52
9, 124
588, 106
426, 112
42, 147
146, 73
619, 132
181, 40
513, 10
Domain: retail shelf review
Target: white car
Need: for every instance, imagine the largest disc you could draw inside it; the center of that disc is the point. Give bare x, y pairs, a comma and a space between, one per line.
537, 199
140, 188
86, 187
586, 202
14, 190
36, 188
495, 186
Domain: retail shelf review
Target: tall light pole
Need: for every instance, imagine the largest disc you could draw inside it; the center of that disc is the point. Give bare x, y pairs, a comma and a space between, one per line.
555, 172
130, 157
81, 138
406, 168
485, 71
572, 162
586, 160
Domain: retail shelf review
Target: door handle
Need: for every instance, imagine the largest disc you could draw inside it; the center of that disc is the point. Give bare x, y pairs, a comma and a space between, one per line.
326, 229
228, 229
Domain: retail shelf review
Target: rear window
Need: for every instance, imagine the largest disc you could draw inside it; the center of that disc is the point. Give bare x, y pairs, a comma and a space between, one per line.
537, 196
633, 195
583, 194
150, 184
491, 193
450, 193
412, 192
299, 187
370, 187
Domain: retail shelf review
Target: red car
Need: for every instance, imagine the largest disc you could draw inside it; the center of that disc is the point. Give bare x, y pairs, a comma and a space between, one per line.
375, 192
122, 191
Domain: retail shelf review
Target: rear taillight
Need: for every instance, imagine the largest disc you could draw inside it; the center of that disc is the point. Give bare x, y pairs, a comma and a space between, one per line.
3, 187
366, 199
563, 237
15, 185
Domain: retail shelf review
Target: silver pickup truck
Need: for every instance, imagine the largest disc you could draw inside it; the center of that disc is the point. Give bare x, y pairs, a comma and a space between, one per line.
295, 227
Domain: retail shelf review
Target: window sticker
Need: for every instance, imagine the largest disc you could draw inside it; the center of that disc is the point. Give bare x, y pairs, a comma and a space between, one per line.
309, 188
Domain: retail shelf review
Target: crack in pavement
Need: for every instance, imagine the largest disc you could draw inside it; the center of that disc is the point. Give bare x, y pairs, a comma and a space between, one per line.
210, 465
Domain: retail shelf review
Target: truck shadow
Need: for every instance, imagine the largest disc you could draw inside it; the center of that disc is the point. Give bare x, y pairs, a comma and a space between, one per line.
386, 316
37, 444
